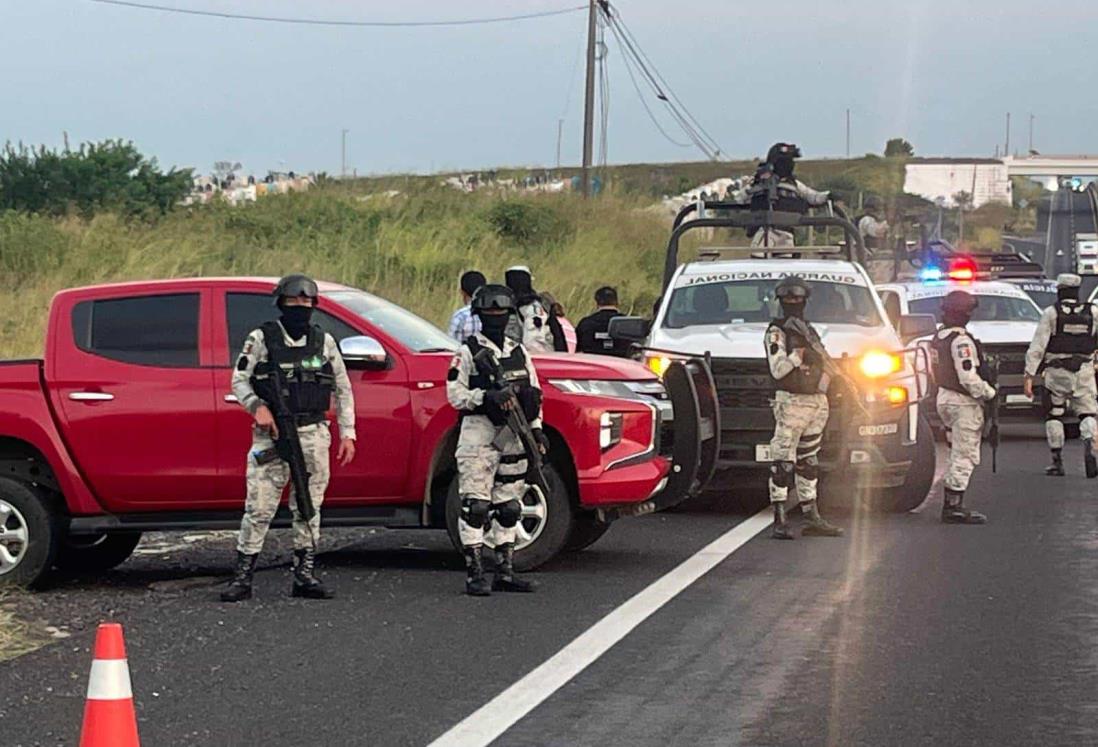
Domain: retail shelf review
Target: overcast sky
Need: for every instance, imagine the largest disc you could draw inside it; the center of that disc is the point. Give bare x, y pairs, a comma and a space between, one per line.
190, 90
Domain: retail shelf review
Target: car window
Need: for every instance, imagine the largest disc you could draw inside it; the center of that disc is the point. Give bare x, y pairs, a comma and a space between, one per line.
416, 333
740, 301
990, 309
247, 311
157, 330
1043, 298
891, 301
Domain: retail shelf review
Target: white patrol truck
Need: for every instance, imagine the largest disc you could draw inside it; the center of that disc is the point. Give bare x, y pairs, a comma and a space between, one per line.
719, 307
1041, 290
1004, 322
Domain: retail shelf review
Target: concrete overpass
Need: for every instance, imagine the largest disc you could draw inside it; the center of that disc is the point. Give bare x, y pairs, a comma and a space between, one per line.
1038, 166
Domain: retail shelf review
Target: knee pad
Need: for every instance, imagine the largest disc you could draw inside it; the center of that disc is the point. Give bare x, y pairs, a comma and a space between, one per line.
809, 469
507, 514
474, 511
781, 474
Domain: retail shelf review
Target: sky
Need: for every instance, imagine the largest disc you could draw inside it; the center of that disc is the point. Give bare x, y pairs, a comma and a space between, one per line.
192, 90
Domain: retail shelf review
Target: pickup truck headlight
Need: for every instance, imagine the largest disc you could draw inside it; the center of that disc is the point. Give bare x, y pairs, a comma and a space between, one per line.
657, 364
877, 364
599, 387
609, 429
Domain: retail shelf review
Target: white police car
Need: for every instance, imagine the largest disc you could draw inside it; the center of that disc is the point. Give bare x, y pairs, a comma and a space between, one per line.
1004, 322
1041, 290
720, 308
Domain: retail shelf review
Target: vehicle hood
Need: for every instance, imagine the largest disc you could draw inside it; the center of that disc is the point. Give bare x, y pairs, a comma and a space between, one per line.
745, 340
584, 366
997, 333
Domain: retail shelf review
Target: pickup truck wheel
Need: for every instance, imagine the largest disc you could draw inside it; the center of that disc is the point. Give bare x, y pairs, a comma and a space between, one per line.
544, 528
95, 552
920, 476
586, 531
28, 535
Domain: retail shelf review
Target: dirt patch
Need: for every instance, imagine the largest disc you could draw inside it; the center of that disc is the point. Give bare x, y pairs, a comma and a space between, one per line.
18, 637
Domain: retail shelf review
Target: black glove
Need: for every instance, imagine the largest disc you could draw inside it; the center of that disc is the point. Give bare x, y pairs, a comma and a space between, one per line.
496, 398
542, 439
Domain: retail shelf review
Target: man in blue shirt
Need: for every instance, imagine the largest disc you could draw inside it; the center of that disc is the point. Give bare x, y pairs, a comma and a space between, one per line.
464, 324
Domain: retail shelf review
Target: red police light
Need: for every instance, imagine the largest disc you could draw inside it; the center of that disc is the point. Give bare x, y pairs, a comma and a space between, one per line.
962, 268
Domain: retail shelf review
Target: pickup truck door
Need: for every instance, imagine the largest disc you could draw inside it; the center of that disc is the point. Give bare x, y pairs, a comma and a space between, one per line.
379, 472
128, 380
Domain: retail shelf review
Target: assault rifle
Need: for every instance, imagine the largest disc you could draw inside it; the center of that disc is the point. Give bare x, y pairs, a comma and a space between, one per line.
833, 369
991, 411
488, 367
288, 443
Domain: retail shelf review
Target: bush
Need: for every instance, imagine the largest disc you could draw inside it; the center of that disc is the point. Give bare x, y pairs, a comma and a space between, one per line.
528, 223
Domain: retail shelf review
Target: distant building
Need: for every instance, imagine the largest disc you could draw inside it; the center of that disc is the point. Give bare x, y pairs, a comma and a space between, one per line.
939, 179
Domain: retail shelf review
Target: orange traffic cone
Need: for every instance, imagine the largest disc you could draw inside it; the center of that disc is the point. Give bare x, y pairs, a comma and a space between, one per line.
109, 717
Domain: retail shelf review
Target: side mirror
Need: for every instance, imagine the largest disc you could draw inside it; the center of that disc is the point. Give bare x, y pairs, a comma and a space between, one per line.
917, 325
363, 351
629, 328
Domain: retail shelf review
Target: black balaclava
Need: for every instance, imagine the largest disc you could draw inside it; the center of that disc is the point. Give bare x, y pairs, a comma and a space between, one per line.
956, 318
295, 320
520, 282
783, 167
492, 326
792, 309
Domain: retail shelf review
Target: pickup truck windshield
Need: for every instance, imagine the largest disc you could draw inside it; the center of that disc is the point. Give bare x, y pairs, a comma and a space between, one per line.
417, 334
991, 309
739, 301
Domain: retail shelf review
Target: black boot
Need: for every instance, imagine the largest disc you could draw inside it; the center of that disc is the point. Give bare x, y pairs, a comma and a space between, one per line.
475, 583
954, 512
505, 578
1056, 469
816, 525
305, 583
780, 530
240, 588
1089, 460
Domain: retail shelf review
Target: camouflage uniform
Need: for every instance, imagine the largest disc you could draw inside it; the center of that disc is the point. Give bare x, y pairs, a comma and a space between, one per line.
962, 412
266, 481
879, 263
1067, 389
530, 326
773, 237
491, 462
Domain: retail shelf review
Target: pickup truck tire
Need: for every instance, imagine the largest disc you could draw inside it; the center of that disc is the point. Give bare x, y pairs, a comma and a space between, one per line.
25, 514
920, 476
586, 531
95, 552
549, 539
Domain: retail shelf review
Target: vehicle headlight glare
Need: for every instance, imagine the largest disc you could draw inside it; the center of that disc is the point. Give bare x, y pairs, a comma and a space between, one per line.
658, 364
876, 364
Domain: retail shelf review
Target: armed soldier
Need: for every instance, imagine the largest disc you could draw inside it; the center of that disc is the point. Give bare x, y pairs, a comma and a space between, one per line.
775, 188
961, 374
1062, 351
313, 369
531, 323
880, 264
800, 415
492, 464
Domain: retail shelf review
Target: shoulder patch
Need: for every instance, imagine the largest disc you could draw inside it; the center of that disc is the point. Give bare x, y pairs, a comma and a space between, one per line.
452, 375
964, 350
242, 364
967, 365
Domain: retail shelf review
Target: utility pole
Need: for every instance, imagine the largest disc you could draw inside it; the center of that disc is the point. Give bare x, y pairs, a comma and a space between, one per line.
343, 155
1031, 118
848, 133
589, 100
1006, 148
560, 134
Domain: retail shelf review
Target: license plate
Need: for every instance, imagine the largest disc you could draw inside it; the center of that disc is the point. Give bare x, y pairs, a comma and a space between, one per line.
1018, 399
762, 453
884, 429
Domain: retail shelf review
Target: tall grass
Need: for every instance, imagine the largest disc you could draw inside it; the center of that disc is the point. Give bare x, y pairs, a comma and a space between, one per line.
409, 248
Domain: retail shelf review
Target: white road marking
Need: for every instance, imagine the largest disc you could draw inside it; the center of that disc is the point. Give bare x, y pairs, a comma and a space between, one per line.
498, 715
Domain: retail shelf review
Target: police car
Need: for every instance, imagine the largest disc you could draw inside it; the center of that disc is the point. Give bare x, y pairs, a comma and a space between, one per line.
1004, 322
1041, 290
720, 306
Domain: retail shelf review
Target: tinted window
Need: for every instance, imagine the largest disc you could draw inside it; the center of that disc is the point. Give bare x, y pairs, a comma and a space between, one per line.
990, 309
247, 311
148, 330
754, 301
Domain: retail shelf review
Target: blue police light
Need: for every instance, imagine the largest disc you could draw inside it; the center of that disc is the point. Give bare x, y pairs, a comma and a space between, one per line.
930, 274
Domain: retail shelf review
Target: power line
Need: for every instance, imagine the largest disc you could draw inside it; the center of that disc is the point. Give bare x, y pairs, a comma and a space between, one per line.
640, 95
325, 22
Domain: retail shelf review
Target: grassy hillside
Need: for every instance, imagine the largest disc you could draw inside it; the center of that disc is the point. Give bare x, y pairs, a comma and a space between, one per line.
410, 249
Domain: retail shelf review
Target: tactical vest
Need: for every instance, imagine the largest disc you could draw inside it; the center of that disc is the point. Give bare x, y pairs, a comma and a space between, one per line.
1074, 321
945, 372
515, 372
798, 381
871, 242
787, 199
309, 377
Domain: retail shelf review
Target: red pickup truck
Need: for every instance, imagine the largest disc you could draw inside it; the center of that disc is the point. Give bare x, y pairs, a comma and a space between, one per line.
128, 425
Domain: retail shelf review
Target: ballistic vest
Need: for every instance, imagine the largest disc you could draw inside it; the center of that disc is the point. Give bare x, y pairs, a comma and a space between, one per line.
309, 377
1072, 336
945, 372
798, 381
786, 197
514, 371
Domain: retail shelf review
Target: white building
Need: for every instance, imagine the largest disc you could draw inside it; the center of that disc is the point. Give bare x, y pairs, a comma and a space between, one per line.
939, 179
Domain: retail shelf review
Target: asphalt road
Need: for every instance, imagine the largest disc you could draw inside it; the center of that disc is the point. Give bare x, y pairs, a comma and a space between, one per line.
905, 631
1060, 216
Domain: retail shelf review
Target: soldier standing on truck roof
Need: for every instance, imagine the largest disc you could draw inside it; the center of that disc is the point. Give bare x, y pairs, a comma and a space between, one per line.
880, 263
491, 462
1063, 351
960, 373
314, 368
789, 195
800, 415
